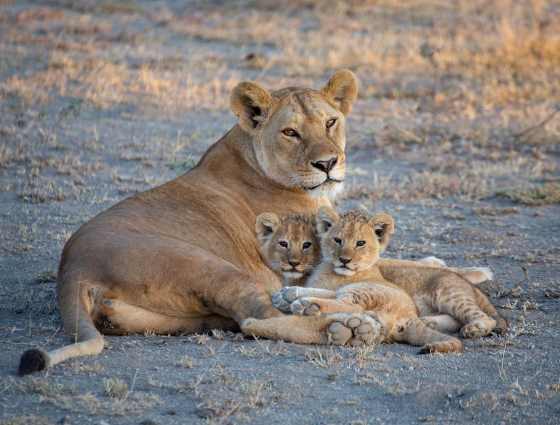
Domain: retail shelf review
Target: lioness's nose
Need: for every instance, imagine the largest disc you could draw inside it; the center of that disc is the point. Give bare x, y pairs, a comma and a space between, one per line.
344, 260
326, 165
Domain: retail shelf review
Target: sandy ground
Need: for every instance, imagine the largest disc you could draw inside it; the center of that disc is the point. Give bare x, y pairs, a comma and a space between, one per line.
455, 133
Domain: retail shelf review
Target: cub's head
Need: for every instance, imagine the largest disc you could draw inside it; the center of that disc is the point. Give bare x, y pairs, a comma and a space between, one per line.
353, 241
298, 134
288, 244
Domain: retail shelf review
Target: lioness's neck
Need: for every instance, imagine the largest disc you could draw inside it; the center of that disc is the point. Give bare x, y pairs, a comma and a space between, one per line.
232, 163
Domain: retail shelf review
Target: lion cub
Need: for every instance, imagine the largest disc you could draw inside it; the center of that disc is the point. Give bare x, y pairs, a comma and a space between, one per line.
348, 280
350, 246
288, 245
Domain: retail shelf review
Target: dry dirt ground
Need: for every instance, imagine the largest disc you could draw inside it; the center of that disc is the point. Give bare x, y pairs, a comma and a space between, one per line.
456, 132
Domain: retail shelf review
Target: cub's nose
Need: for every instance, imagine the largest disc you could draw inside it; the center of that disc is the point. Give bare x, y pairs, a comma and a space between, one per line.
344, 260
293, 263
326, 165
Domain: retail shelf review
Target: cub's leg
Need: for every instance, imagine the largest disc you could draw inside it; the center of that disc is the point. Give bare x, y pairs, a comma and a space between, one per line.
338, 329
442, 323
490, 310
414, 332
287, 295
457, 298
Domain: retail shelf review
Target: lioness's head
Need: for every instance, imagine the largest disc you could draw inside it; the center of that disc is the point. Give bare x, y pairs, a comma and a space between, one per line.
353, 241
298, 133
288, 244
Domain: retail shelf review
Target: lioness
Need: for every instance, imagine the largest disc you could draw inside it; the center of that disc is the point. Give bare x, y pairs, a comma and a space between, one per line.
183, 257
350, 247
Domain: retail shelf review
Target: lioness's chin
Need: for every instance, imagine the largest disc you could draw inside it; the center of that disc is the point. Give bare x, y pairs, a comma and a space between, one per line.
292, 275
343, 271
329, 189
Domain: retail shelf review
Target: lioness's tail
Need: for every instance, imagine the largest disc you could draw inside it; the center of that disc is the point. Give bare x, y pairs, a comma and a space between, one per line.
487, 307
415, 332
74, 306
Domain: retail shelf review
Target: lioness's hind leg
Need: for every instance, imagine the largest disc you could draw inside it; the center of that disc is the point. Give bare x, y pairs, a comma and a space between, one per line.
121, 318
442, 323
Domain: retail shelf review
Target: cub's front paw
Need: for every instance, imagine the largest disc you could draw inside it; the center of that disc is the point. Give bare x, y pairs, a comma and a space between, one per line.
305, 307
284, 298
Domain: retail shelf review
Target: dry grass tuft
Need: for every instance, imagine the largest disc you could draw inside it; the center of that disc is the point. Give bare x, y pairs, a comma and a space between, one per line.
323, 358
546, 194
115, 388
422, 185
26, 420
186, 362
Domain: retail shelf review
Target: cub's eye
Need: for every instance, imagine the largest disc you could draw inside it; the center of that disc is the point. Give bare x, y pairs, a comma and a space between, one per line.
338, 241
360, 243
283, 244
306, 245
290, 132
331, 122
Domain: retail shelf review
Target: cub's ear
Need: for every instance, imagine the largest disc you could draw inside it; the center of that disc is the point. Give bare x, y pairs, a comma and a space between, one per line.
384, 227
251, 103
326, 218
266, 225
342, 89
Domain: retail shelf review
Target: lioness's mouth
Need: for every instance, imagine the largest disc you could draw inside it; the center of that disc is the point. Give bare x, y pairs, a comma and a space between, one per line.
327, 180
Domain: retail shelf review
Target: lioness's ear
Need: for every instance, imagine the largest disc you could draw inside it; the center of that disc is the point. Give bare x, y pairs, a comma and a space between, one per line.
342, 89
266, 225
251, 103
326, 218
384, 227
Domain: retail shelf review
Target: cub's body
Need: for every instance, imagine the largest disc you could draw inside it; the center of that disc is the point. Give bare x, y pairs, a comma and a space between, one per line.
352, 278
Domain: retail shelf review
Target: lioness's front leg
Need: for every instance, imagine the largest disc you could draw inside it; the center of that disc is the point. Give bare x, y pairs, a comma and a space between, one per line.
338, 329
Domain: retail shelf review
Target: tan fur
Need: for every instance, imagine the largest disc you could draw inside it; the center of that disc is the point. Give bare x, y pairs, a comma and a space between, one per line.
348, 281
288, 245
185, 253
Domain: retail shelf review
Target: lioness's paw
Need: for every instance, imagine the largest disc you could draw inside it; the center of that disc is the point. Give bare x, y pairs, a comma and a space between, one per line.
284, 297
355, 330
305, 307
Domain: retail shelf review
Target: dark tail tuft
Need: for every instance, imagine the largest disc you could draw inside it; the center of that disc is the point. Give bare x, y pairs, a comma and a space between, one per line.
31, 361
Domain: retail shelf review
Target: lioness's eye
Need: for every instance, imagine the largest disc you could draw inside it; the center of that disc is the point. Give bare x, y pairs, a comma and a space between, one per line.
290, 132
331, 122
283, 244
306, 245
338, 241
360, 243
